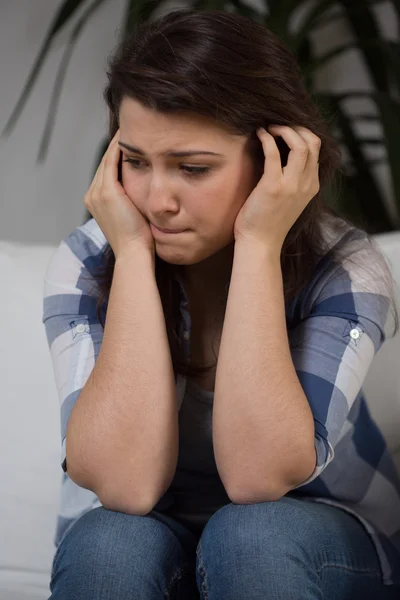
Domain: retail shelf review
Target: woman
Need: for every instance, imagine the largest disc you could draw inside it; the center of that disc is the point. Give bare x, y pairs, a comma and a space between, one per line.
216, 440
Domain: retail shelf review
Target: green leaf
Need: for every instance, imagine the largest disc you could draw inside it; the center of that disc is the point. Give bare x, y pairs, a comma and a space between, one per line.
390, 118
210, 4
372, 95
319, 61
317, 14
396, 6
66, 11
304, 57
137, 12
368, 118
247, 11
279, 16
389, 49
363, 182
371, 141
56, 92
363, 22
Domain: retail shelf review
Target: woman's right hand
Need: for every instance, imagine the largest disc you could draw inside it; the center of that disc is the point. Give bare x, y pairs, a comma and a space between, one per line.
117, 216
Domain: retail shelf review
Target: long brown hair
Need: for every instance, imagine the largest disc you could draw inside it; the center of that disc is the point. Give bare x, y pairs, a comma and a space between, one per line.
236, 71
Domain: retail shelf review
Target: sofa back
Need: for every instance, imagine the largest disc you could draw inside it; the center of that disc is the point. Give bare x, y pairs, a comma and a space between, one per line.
30, 423
382, 383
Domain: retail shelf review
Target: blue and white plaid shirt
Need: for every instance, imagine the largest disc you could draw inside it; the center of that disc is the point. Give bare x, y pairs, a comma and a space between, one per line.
336, 324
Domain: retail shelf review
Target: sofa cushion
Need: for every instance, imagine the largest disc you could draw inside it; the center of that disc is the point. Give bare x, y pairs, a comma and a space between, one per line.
29, 427
382, 384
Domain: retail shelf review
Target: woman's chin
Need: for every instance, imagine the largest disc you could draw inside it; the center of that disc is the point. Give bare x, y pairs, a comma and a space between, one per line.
174, 256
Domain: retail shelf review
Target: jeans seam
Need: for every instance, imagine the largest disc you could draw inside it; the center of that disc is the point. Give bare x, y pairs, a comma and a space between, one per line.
202, 571
177, 576
371, 572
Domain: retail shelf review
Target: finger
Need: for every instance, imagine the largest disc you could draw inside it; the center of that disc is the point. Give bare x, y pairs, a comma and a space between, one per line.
95, 185
298, 154
103, 164
98, 178
110, 172
314, 144
311, 170
272, 158
97, 181
116, 137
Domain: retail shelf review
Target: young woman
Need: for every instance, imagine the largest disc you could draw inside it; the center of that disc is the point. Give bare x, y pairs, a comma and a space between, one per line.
216, 442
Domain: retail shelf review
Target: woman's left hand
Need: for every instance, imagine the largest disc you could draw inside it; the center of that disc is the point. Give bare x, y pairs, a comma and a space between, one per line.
281, 195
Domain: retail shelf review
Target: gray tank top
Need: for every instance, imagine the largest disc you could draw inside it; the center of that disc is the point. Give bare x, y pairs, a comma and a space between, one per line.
196, 491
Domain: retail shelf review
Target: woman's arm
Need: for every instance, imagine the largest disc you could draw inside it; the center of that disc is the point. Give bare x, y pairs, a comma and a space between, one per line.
260, 417
263, 429
122, 436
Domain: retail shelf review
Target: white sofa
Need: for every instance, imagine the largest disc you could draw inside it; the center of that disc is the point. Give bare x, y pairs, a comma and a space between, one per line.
30, 429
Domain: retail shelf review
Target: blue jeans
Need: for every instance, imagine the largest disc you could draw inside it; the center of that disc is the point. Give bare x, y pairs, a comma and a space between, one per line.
286, 550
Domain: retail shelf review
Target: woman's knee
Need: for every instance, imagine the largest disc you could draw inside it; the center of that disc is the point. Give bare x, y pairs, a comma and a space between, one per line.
102, 535
284, 524
288, 527
112, 548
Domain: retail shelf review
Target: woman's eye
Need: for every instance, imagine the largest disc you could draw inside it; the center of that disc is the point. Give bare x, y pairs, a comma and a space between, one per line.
191, 171
196, 170
131, 161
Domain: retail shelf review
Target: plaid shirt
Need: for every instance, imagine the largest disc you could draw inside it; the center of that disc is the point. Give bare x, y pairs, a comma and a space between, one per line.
335, 325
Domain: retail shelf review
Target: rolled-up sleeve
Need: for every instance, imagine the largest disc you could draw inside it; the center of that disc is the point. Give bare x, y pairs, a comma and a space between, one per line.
73, 331
333, 347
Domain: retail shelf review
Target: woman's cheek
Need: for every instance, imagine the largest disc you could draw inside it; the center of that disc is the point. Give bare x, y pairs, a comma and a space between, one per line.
129, 185
132, 191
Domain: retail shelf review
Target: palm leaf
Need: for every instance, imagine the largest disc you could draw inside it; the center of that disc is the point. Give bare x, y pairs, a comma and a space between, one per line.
367, 196
56, 92
316, 16
248, 11
396, 6
390, 118
138, 11
364, 25
209, 4
361, 197
389, 49
278, 20
65, 13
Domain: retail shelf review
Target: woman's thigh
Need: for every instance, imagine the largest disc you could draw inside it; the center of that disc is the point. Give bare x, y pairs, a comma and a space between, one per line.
108, 555
287, 550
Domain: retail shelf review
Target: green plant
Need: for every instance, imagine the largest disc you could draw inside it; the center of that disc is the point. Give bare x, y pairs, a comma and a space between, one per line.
359, 198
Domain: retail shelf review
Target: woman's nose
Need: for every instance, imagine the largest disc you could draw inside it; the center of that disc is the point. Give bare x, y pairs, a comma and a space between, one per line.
161, 198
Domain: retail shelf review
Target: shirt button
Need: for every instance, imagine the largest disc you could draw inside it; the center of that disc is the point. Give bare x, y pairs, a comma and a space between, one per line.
355, 334
186, 335
80, 328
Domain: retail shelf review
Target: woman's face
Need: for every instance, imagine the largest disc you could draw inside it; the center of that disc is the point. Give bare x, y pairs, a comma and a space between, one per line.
169, 192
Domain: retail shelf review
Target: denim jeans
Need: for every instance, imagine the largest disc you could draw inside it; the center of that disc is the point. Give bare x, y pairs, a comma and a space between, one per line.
290, 549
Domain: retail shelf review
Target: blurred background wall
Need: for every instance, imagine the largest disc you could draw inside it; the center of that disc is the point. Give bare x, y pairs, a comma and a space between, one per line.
42, 203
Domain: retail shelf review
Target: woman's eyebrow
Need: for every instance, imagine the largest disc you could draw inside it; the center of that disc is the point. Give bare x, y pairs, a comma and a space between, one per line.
169, 152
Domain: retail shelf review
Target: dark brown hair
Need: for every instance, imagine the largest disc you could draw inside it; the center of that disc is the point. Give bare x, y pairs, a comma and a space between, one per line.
237, 72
